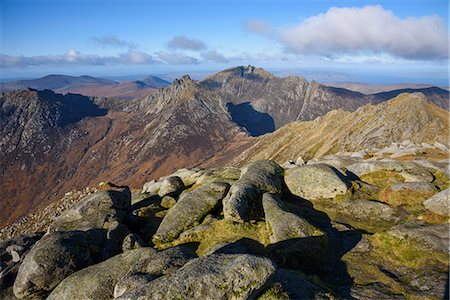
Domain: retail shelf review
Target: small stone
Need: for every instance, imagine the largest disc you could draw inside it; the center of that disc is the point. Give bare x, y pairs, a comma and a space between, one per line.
168, 202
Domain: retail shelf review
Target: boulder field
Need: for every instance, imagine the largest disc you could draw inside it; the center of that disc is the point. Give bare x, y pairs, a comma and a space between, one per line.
353, 229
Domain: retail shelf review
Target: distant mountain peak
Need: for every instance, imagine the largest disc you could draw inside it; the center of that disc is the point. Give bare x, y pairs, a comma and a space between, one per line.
248, 72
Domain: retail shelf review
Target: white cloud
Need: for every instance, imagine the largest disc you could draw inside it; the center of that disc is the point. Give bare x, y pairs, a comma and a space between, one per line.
365, 31
111, 40
74, 57
214, 56
184, 43
176, 58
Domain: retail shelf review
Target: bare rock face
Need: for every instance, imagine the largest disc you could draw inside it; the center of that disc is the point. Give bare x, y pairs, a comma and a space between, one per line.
243, 202
190, 209
171, 186
217, 276
98, 281
282, 224
94, 211
316, 181
53, 258
439, 203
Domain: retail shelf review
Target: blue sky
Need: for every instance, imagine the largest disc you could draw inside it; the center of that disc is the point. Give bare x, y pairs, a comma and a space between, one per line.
372, 41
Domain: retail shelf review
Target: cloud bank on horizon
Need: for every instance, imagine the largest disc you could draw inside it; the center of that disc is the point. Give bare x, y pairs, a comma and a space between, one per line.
368, 32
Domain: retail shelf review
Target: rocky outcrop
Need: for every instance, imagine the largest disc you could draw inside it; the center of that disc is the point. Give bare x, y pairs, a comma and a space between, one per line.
243, 202
95, 211
53, 258
284, 225
98, 281
190, 210
439, 203
316, 181
293, 246
217, 276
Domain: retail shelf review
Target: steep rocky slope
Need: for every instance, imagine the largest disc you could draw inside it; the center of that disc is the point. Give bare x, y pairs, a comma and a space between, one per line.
406, 117
282, 99
262, 102
56, 148
371, 229
52, 144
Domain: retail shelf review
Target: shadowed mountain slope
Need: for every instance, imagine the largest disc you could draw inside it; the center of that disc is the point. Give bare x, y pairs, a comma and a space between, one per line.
406, 117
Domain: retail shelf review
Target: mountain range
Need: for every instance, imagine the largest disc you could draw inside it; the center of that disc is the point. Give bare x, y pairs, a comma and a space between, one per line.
52, 143
90, 86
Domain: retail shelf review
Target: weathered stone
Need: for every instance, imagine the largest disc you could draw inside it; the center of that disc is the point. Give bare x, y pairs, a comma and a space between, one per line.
242, 203
299, 161
188, 177
151, 187
53, 258
132, 241
365, 214
190, 210
439, 203
217, 276
410, 171
12, 252
163, 263
316, 181
284, 225
264, 175
335, 161
168, 202
94, 211
171, 186
97, 281
432, 237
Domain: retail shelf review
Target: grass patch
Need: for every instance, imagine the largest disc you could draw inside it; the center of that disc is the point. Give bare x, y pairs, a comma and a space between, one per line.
275, 292
223, 231
441, 180
407, 252
410, 199
383, 178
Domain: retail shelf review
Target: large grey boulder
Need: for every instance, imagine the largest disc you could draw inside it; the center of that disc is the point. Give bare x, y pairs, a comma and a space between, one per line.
94, 211
12, 252
98, 281
266, 175
162, 263
171, 186
243, 202
316, 181
439, 203
151, 187
284, 225
190, 210
53, 258
217, 276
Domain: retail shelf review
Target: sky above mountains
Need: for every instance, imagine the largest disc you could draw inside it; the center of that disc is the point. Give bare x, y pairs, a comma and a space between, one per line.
372, 41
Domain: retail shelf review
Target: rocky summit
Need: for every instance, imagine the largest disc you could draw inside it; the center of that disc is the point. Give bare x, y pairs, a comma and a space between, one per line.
244, 185
349, 226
